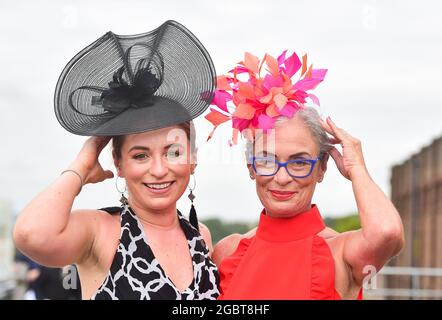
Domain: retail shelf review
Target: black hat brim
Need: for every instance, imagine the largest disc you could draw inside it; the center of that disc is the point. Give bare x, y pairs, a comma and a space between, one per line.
188, 80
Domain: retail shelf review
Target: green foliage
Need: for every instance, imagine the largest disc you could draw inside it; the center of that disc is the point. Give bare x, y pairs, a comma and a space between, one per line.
343, 224
220, 229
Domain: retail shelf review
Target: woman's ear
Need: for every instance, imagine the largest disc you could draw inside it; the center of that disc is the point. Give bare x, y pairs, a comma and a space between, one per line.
323, 166
193, 161
117, 164
251, 172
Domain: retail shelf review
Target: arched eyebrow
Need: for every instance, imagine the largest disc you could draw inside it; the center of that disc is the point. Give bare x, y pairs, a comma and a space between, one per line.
300, 155
143, 148
139, 148
293, 156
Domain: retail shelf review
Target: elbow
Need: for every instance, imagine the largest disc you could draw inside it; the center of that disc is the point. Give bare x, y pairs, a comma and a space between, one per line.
393, 237
400, 242
28, 240
20, 236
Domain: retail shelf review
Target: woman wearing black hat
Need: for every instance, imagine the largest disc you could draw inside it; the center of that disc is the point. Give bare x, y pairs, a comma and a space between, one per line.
159, 82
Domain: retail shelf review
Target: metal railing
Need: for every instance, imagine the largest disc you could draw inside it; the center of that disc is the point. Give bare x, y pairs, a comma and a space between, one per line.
371, 290
415, 292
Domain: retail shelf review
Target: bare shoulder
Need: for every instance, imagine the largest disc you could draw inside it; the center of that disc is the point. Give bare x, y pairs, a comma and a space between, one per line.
204, 230
329, 233
249, 234
227, 246
334, 240
207, 236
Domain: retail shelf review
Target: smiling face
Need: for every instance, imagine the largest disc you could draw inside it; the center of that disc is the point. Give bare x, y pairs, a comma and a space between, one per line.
157, 167
281, 194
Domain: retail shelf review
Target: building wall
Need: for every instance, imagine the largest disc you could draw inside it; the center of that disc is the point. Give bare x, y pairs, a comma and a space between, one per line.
416, 191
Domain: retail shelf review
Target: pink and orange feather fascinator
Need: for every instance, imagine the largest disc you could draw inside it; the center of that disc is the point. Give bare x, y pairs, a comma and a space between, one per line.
255, 103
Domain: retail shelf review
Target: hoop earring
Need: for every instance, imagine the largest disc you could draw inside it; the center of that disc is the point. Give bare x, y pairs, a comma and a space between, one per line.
193, 219
123, 198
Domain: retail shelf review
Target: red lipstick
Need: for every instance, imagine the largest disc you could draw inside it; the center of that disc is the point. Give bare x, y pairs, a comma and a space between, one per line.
282, 195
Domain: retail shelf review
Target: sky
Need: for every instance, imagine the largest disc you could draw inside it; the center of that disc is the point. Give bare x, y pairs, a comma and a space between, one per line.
382, 86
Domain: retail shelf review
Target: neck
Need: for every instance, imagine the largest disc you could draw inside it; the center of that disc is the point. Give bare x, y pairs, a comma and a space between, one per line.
302, 225
165, 219
290, 214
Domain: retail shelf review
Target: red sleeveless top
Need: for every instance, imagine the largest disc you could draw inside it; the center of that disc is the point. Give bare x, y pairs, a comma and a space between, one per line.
285, 260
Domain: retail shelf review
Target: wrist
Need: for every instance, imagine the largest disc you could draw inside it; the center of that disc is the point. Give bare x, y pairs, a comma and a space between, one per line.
74, 173
359, 172
80, 169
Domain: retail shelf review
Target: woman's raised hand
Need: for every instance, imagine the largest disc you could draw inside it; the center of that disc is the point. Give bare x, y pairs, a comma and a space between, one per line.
86, 163
351, 159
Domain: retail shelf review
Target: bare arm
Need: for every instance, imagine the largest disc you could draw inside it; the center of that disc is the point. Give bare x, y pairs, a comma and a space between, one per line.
46, 230
381, 235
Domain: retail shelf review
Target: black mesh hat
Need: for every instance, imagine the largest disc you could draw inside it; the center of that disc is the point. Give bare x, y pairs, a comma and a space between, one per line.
135, 83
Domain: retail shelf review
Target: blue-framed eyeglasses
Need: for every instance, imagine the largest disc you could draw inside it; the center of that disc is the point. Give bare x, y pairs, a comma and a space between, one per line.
297, 168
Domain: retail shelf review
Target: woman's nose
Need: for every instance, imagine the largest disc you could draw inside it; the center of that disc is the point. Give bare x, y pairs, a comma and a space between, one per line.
282, 177
159, 167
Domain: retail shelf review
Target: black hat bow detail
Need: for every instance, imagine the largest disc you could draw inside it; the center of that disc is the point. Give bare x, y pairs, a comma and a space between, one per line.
121, 95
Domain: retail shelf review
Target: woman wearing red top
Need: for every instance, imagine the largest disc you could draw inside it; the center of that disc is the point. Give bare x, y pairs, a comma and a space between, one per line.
292, 254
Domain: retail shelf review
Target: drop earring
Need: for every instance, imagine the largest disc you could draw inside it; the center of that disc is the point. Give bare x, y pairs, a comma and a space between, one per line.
193, 219
123, 198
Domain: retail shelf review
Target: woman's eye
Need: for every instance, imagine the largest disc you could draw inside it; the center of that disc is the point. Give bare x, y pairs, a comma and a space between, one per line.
140, 156
302, 163
265, 161
174, 153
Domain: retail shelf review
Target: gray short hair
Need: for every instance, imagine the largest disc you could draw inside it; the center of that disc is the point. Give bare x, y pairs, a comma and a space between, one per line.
311, 118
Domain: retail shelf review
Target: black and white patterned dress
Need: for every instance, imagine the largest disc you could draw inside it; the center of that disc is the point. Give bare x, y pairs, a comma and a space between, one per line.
136, 274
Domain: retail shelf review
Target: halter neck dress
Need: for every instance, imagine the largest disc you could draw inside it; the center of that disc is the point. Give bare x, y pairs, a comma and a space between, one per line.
286, 260
136, 274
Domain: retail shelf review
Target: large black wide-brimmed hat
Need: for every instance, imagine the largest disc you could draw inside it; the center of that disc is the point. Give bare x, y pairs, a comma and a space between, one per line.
135, 83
